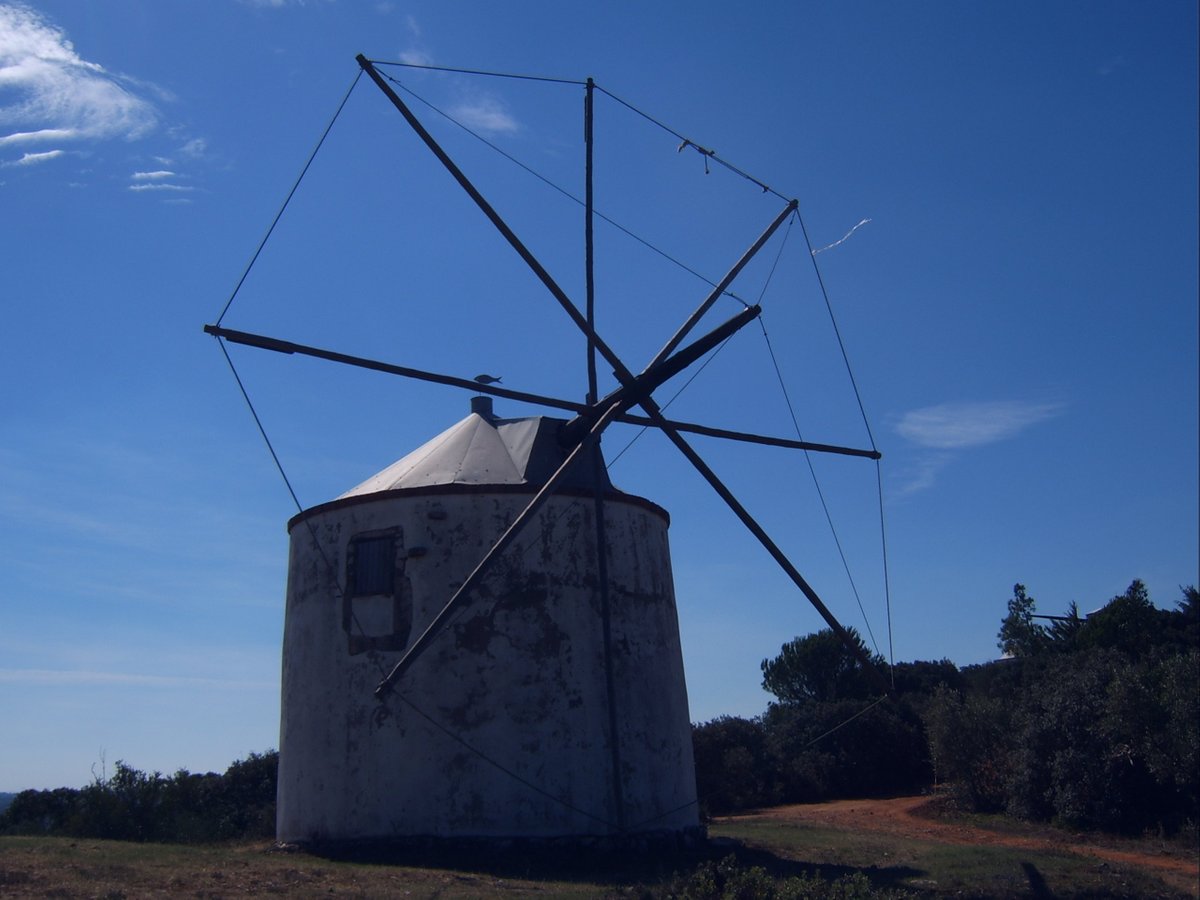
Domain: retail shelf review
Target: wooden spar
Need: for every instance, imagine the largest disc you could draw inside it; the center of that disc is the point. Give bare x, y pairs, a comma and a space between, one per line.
263, 342
607, 410
643, 385
417, 647
655, 413
486, 208
589, 244
724, 283
627, 380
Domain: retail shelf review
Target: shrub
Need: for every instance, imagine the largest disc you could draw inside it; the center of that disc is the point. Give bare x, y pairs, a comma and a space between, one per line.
132, 805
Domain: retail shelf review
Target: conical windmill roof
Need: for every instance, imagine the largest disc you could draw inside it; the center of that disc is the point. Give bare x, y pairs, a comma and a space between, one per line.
482, 450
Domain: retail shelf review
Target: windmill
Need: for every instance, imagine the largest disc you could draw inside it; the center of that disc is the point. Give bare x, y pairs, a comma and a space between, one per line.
376, 765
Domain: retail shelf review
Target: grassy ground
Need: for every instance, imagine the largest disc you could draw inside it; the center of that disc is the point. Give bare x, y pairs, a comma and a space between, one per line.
67, 868
931, 868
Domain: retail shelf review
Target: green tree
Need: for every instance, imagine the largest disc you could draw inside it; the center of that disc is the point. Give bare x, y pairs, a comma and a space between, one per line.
1019, 634
1188, 616
969, 745
1128, 622
1064, 630
819, 667
733, 768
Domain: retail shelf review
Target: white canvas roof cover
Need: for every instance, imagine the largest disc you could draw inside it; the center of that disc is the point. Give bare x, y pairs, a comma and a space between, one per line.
480, 450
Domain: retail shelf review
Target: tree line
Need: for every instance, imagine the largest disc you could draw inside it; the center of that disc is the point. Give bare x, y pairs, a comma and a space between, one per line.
1090, 721
132, 805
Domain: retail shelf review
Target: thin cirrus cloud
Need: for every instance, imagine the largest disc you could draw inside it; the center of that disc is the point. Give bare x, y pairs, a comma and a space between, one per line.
33, 159
949, 427
161, 186
53, 94
479, 112
957, 426
485, 114
82, 677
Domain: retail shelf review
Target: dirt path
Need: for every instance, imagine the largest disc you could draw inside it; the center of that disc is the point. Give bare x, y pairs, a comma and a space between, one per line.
901, 816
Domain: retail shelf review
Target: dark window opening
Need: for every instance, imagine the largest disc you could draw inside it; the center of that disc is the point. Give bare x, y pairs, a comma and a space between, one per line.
373, 568
377, 604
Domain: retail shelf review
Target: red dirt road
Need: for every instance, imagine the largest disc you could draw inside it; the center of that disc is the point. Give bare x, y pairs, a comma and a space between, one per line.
901, 816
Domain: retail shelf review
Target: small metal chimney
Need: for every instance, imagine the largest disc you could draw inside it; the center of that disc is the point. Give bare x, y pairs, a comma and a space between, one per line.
482, 406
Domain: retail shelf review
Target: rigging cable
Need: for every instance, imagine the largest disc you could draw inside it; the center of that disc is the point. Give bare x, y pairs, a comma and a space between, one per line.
887, 589
708, 154
688, 142
808, 456
518, 77
861, 712
287, 200
817, 484
333, 575
546, 181
499, 766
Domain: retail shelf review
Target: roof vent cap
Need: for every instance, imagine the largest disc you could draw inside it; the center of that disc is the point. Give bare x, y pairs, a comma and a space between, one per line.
482, 407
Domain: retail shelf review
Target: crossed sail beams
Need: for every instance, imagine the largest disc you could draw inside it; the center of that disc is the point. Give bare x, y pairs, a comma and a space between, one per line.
591, 418
603, 412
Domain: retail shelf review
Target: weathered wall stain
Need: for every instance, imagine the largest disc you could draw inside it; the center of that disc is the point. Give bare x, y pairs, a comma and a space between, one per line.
519, 675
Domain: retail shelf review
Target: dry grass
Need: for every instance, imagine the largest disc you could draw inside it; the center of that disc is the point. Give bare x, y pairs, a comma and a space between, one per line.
111, 870
916, 864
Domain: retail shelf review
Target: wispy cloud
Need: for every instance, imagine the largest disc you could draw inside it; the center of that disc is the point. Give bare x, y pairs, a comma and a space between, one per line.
919, 475
32, 159
194, 149
160, 186
33, 137
414, 54
280, 4
944, 430
58, 677
955, 426
486, 114
416, 58
49, 95
52, 93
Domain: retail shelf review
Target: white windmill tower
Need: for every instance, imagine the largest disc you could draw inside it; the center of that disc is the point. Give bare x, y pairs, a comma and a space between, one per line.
481, 640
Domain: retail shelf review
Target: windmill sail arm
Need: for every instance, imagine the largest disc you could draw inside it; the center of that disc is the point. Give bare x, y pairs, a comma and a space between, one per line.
460, 596
771, 547
494, 217
719, 289
657, 419
751, 438
657, 373
280, 346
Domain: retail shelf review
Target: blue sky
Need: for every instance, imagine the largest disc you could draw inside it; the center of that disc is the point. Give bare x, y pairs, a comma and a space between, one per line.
1019, 307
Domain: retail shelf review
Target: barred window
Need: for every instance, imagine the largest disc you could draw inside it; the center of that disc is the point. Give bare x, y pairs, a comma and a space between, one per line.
372, 565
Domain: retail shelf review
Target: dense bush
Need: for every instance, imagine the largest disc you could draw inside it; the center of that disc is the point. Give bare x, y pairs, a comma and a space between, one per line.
727, 880
968, 744
1094, 722
846, 749
806, 752
734, 769
1093, 725
136, 806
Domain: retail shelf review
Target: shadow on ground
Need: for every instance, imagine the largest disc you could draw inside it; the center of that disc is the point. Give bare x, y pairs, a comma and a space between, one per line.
626, 866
